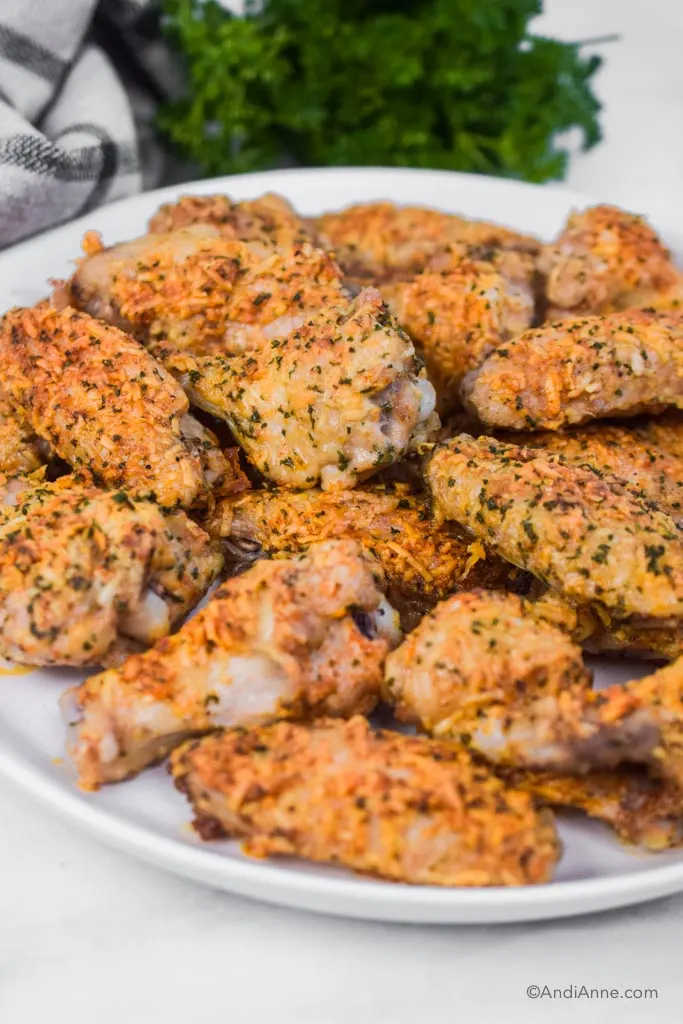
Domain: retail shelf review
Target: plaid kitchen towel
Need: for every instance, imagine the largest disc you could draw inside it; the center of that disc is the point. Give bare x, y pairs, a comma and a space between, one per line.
72, 134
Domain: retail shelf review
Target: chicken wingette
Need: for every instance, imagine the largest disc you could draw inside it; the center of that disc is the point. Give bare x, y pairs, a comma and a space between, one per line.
571, 371
481, 670
194, 290
457, 317
595, 545
402, 808
85, 572
333, 402
605, 259
422, 562
379, 241
104, 404
302, 637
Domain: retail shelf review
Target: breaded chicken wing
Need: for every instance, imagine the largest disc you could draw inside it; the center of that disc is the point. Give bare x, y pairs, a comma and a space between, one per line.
83, 572
457, 317
479, 669
588, 541
604, 260
20, 450
334, 401
403, 808
106, 405
572, 371
379, 241
422, 562
289, 638
268, 222
642, 810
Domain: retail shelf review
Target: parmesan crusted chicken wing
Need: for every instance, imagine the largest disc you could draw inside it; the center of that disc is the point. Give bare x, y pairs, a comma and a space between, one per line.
104, 404
457, 316
85, 572
479, 669
572, 371
377, 241
334, 401
403, 808
592, 543
267, 222
20, 449
604, 260
303, 637
422, 562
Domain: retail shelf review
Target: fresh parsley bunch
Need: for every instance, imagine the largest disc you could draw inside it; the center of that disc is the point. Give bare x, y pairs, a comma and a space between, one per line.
456, 84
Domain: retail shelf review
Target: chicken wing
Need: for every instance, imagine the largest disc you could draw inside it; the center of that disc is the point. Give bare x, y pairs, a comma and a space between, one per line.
332, 402
303, 637
378, 241
481, 670
84, 571
267, 222
422, 562
572, 371
197, 291
604, 260
104, 404
400, 807
20, 450
457, 317
593, 544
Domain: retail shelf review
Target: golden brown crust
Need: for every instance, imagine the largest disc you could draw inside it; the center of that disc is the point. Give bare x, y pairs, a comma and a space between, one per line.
399, 807
20, 451
572, 371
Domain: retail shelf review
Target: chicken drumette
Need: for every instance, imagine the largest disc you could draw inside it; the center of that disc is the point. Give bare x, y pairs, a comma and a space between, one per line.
105, 405
84, 573
400, 807
302, 637
572, 371
333, 402
422, 562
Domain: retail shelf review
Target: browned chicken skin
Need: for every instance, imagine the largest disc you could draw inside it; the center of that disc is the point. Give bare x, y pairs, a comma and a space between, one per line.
292, 638
104, 404
399, 807
572, 371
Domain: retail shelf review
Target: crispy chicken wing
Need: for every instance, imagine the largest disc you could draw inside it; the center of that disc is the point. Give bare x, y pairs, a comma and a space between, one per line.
333, 402
576, 370
20, 450
84, 571
422, 562
480, 669
287, 638
404, 808
268, 222
594, 544
604, 260
376, 241
105, 404
457, 317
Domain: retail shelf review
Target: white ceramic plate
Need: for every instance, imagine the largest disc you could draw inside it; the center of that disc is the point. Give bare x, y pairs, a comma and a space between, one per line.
147, 817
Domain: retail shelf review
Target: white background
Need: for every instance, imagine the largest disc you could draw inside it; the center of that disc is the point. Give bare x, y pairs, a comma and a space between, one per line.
87, 935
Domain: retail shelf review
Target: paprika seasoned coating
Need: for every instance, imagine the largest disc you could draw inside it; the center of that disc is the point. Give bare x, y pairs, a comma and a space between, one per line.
266, 223
481, 670
642, 810
302, 637
422, 562
333, 402
379, 241
403, 808
20, 449
104, 404
594, 544
457, 317
571, 371
85, 572
604, 260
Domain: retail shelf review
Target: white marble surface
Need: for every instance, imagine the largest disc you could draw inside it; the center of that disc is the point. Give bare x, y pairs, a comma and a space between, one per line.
87, 935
